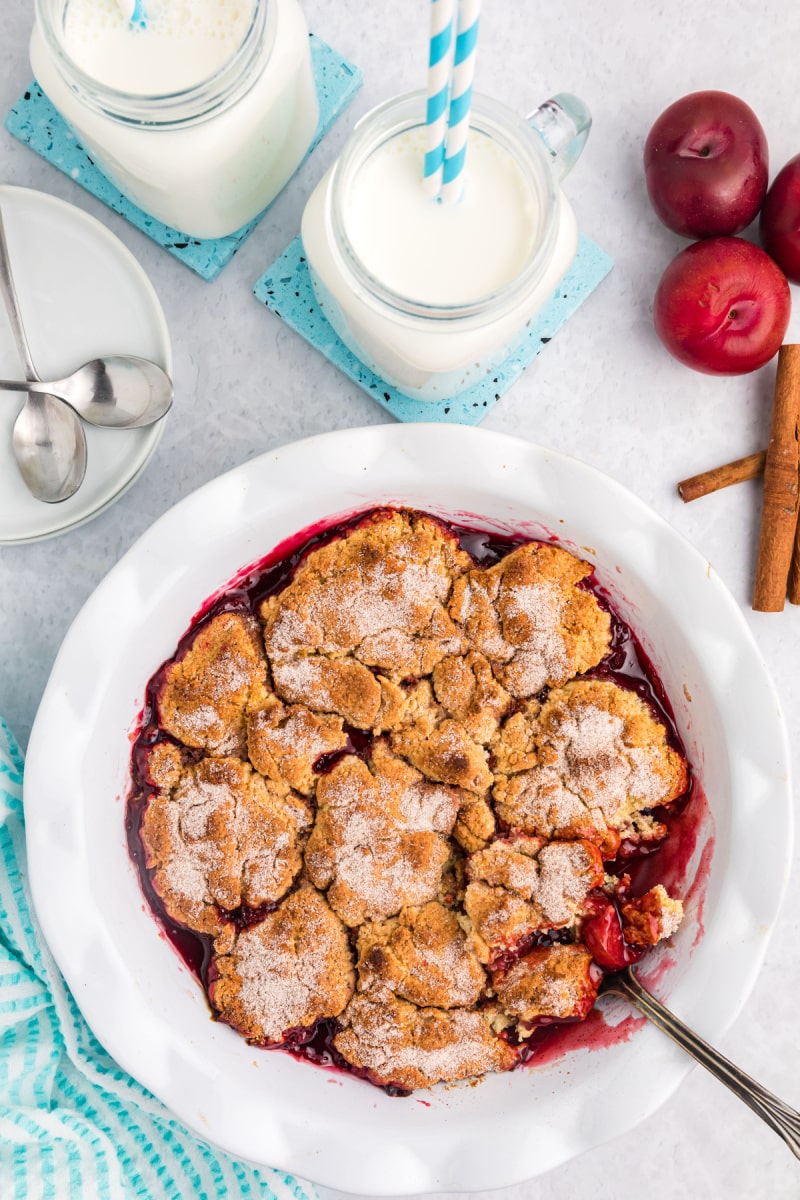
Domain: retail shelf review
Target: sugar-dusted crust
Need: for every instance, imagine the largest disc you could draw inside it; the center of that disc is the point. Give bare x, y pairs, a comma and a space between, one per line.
423, 732
422, 956
468, 692
549, 981
444, 734
288, 971
529, 619
380, 840
206, 693
398, 1043
513, 747
284, 742
448, 755
603, 764
164, 765
376, 598
522, 886
476, 825
219, 837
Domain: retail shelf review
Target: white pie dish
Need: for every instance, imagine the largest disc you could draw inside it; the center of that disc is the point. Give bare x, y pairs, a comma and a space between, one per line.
147, 1009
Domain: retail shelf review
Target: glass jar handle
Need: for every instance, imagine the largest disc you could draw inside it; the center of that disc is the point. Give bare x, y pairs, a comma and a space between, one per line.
563, 124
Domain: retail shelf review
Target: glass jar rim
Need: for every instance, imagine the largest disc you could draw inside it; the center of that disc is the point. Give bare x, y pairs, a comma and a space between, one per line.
406, 112
166, 110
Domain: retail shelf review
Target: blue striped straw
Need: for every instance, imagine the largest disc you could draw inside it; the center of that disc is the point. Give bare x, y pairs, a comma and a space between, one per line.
439, 68
460, 100
133, 11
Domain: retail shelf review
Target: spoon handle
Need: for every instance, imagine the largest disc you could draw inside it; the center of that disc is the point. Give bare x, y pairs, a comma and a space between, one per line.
12, 306
17, 385
779, 1116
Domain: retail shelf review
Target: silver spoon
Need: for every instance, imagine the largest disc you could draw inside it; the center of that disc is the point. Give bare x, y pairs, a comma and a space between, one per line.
779, 1116
119, 391
48, 439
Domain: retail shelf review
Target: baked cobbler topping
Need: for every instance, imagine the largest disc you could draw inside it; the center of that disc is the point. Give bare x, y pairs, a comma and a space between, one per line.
221, 837
389, 792
380, 838
395, 1042
648, 919
205, 693
602, 763
284, 743
532, 622
422, 955
553, 982
374, 599
285, 972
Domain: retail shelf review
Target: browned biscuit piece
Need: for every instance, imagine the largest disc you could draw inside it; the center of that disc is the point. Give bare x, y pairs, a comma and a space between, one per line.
421, 956
650, 918
468, 691
330, 685
407, 706
513, 747
524, 885
374, 598
554, 982
604, 762
448, 755
528, 617
164, 764
206, 692
441, 748
222, 837
475, 826
393, 706
283, 742
397, 1043
500, 920
288, 971
379, 841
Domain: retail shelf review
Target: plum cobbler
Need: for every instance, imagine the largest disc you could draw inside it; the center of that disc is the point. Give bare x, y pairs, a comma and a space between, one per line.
388, 792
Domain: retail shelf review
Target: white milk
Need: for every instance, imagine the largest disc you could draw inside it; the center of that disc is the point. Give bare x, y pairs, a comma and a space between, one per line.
436, 253
182, 42
388, 263
208, 175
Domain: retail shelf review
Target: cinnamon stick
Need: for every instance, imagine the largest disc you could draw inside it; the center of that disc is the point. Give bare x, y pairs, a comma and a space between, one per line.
794, 570
721, 477
781, 491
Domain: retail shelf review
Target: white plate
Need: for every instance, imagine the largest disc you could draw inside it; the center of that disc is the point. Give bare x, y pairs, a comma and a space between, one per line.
148, 1010
82, 294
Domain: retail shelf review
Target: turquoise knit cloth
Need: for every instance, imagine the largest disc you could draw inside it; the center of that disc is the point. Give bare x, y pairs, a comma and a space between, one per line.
72, 1123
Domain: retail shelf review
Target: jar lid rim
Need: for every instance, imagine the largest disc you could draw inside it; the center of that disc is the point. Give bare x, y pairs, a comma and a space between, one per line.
200, 100
408, 111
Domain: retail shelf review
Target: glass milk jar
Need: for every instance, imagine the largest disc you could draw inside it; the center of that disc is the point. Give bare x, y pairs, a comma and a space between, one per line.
199, 112
432, 296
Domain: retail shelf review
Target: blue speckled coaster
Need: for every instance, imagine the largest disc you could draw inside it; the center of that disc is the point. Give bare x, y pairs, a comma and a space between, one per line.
286, 289
36, 123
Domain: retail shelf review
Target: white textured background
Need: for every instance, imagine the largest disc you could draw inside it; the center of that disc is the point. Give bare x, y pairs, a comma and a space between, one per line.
604, 390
